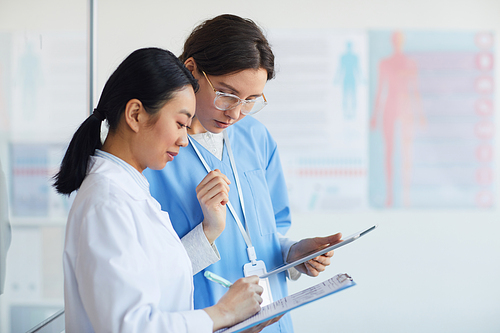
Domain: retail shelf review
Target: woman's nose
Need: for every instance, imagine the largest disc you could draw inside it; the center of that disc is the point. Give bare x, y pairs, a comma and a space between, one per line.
183, 140
234, 113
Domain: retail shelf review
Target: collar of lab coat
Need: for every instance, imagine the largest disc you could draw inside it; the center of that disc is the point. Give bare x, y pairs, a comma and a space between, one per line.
121, 177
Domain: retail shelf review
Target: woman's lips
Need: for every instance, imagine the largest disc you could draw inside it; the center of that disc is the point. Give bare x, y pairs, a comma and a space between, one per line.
171, 154
221, 124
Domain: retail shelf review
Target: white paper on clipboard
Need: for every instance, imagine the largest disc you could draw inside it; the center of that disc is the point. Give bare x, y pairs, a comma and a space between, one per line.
319, 252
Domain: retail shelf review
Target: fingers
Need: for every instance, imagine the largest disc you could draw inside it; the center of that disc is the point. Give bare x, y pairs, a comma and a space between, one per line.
254, 281
213, 195
322, 260
332, 239
212, 178
251, 284
213, 189
254, 287
251, 279
261, 326
211, 175
328, 254
335, 238
313, 268
275, 320
321, 242
318, 264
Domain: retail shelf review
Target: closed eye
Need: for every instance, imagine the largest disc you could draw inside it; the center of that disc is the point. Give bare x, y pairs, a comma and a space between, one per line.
181, 125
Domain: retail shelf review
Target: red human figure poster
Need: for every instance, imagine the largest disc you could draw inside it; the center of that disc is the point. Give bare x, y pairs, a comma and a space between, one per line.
431, 119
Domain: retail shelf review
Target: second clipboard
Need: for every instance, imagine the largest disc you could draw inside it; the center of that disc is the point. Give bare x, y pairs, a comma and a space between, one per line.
321, 251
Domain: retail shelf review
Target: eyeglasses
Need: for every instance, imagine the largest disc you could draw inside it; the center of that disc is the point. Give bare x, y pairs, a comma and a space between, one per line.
224, 101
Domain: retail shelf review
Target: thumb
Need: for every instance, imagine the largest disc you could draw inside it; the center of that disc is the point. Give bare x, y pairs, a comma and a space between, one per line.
332, 239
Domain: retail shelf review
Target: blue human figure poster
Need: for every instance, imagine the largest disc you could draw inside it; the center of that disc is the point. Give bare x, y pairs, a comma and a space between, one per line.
317, 114
348, 75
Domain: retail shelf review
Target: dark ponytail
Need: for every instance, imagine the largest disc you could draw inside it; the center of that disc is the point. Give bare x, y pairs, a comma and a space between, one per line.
150, 75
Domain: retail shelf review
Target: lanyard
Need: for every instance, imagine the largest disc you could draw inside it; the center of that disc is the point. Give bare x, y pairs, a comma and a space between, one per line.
252, 256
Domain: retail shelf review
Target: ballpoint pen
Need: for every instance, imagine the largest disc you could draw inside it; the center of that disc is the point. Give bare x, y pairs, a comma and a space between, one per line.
215, 278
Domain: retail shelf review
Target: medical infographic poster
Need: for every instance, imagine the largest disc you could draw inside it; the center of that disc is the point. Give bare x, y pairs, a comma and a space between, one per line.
431, 119
317, 114
46, 80
32, 167
50, 68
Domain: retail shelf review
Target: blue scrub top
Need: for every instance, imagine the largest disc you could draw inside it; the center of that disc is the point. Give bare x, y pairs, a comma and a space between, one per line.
266, 207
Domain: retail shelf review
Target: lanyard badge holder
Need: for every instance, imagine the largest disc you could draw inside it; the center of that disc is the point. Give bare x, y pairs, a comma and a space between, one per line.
254, 267
258, 267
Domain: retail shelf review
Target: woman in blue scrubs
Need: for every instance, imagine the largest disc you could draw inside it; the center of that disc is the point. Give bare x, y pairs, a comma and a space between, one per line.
232, 61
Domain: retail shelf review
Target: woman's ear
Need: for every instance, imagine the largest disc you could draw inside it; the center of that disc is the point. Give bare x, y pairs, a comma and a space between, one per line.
134, 113
190, 64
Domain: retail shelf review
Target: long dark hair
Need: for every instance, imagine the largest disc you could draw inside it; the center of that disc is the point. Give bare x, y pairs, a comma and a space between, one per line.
227, 44
151, 75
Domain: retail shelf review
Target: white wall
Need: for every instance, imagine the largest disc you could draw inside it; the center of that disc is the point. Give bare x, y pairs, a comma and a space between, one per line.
421, 270
34, 274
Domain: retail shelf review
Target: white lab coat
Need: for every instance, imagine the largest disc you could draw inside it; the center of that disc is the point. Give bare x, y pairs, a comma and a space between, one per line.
125, 269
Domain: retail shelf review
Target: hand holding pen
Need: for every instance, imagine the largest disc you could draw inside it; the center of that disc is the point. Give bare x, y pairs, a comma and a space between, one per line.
240, 302
227, 284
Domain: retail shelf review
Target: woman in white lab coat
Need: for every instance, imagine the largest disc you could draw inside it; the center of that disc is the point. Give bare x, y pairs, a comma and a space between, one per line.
125, 269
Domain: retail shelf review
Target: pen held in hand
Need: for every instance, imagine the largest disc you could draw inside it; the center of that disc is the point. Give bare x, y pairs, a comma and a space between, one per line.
217, 279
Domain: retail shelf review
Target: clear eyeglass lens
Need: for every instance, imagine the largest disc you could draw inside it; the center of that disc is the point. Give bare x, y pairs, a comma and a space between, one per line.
255, 107
224, 102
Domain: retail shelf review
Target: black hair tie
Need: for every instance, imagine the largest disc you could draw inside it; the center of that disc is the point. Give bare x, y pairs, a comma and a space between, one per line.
98, 114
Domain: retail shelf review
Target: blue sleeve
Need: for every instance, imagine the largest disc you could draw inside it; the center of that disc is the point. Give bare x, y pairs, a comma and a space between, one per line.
278, 190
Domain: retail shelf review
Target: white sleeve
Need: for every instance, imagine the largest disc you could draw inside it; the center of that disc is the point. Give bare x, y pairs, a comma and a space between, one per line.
286, 244
117, 281
199, 249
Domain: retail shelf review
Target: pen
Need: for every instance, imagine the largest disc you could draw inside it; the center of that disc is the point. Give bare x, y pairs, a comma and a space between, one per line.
220, 280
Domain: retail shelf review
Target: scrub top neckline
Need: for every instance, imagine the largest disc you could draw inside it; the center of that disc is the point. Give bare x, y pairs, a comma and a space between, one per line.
212, 142
208, 156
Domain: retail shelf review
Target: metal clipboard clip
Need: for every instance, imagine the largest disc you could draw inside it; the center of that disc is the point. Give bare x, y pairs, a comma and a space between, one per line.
342, 277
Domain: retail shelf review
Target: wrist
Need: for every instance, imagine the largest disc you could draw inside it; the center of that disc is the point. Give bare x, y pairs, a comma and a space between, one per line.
220, 316
290, 254
210, 232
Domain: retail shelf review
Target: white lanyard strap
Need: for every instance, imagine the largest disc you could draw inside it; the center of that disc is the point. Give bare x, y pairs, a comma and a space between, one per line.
246, 235
236, 177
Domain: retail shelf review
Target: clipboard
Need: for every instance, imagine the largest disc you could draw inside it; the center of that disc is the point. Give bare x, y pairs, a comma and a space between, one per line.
333, 285
318, 252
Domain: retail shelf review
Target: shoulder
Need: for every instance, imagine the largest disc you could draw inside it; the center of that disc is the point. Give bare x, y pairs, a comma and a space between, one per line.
98, 192
251, 128
103, 203
250, 123
107, 184
249, 137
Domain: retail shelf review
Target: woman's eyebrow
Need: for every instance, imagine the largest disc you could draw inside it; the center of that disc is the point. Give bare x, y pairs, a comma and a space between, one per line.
230, 87
187, 113
235, 91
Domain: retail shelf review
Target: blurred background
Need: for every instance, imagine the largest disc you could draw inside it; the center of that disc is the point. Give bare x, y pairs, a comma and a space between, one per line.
384, 113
